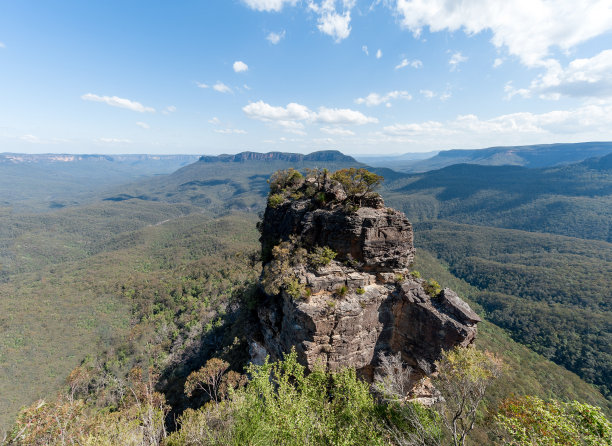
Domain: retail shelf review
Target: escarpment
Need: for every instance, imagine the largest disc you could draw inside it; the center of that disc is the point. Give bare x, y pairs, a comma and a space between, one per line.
336, 281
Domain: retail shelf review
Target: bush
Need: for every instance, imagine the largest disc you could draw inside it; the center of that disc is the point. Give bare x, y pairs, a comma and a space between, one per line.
275, 200
322, 256
342, 291
416, 274
360, 291
432, 288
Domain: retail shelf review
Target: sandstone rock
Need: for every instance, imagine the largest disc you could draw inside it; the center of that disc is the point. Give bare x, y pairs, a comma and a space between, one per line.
391, 313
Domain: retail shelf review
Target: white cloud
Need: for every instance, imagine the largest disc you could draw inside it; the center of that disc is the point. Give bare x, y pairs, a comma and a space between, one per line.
330, 21
416, 63
497, 62
269, 5
428, 94
143, 125
222, 88
114, 140
230, 131
365, 50
201, 85
239, 66
456, 59
582, 123
374, 99
266, 112
214, 120
342, 116
337, 131
114, 101
528, 29
2, 45
169, 109
590, 77
511, 91
275, 38
378, 54
32, 139
293, 116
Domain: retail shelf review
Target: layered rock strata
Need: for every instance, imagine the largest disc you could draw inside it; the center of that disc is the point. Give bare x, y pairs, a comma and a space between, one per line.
364, 301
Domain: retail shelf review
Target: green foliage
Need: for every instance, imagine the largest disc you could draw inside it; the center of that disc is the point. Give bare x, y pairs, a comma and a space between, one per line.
360, 291
432, 288
281, 405
285, 179
357, 182
275, 200
530, 421
550, 292
464, 375
415, 274
342, 291
278, 273
321, 256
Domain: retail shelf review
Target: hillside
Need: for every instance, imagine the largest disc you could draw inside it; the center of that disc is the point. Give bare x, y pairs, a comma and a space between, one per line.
533, 156
162, 239
573, 200
42, 182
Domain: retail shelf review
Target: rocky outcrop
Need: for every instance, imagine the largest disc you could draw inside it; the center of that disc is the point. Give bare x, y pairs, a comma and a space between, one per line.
344, 312
320, 156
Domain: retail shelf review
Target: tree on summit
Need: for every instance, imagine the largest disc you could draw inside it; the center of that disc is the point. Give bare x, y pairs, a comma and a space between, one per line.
357, 183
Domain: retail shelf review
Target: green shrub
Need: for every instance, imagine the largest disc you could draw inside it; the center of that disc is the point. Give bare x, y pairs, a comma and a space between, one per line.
360, 291
342, 291
399, 278
275, 200
416, 274
322, 256
432, 288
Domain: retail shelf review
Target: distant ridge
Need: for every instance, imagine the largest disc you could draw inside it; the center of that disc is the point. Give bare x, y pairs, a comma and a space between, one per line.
322, 156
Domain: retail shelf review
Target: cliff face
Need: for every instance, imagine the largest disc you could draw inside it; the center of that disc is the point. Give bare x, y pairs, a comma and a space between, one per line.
343, 312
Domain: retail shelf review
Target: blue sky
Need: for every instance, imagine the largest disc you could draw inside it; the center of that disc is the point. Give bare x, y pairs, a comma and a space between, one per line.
361, 76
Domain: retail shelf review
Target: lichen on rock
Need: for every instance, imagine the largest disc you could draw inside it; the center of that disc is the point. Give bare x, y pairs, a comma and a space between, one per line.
345, 309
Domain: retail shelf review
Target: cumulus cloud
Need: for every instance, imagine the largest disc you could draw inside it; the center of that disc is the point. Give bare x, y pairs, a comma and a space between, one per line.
374, 99
497, 62
416, 63
586, 77
365, 50
201, 85
527, 30
293, 116
456, 59
239, 66
430, 94
169, 109
332, 22
522, 127
143, 125
379, 53
222, 88
269, 5
511, 91
214, 120
115, 101
275, 38
337, 131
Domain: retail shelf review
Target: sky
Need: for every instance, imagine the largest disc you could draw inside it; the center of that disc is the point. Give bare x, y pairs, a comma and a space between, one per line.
367, 77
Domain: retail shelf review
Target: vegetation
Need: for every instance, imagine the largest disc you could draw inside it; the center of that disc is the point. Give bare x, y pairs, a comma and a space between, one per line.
531, 421
552, 293
357, 183
321, 256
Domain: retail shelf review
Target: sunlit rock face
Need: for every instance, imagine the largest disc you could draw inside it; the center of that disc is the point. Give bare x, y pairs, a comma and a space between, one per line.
365, 300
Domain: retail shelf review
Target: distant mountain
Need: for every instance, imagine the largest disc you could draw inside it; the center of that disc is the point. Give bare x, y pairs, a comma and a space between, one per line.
397, 162
541, 155
321, 156
224, 182
39, 182
573, 200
